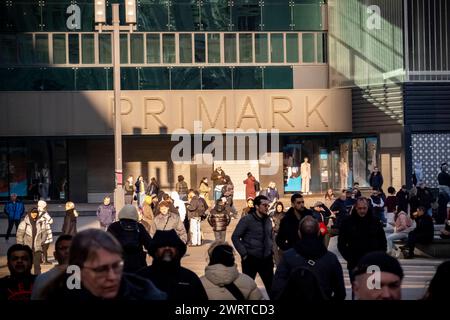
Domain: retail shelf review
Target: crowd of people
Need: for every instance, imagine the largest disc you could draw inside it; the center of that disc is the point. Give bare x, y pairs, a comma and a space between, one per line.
113, 259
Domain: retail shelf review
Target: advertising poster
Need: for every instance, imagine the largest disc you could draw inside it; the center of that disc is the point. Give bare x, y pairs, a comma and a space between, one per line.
18, 171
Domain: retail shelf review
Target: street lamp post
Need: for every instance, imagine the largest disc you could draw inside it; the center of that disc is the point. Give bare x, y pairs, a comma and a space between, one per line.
100, 19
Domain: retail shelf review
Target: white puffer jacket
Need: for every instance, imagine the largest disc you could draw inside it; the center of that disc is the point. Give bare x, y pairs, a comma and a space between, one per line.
218, 275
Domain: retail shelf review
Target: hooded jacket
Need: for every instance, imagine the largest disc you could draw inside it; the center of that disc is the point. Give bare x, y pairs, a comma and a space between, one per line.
287, 235
219, 218
106, 214
217, 276
195, 208
25, 232
359, 236
169, 221
14, 210
312, 254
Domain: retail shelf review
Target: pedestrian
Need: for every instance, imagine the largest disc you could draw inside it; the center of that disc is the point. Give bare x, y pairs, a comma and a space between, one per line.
310, 252
228, 193
424, 197
219, 219
153, 188
438, 287
166, 271
19, 284
167, 220
391, 205
42, 209
277, 216
402, 224
218, 179
250, 190
377, 205
248, 208
288, 231
99, 257
271, 192
14, 210
222, 280
390, 277
46, 283
422, 234
182, 188
133, 238
376, 179
329, 198
338, 213
252, 238
403, 199
70, 219
106, 213
195, 211
356, 192
204, 189
130, 190
147, 213
322, 214
141, 188
176, 205
359, 234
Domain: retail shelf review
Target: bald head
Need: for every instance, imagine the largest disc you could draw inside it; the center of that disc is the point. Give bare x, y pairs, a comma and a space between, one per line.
308, 227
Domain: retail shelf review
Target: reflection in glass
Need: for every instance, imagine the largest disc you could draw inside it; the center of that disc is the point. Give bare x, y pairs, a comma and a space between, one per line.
153, 48
137, 48
276, 47
200, 48
261, 47
230, 47
59, 48
216, 78
291, 47
124, 48
41, 48
308, 47
104, 50
74, 51
245, 47
168, 48
185, 48
25, 48
87, 47
185, 79
213, 47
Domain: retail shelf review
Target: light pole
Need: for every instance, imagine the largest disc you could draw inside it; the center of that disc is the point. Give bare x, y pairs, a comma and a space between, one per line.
100, 20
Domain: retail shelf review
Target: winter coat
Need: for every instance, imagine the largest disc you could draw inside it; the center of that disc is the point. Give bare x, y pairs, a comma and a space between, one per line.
340, 209
376, 180
204, 190
133, 237
182, 188
288, 231
326, 267
147, 217
195, 208
217, 276
153, 188
424, 197
424, 231
16, 288
14, 210
402, 200
169, 221
25, 233
228, 190
218, 178
391, 203
138, 187
45, 215
132, 287
70, 222
179, 283
219, 218
253, 236
359, 236
106, 214
403, 222
271, 194
250, 187
276, 219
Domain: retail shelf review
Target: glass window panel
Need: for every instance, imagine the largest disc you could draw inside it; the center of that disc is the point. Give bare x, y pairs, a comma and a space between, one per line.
213, 48
137, 48
87, 15
308, 47
94, 79
124, 48
219, 78
168, 48
230, 47
292, 47
21, 79
153, 15
261, 47
41, 48
245, 47
59, 49
247, 78
184, 15
87, 47
154, 79
26, 16
104, 50
129, 78
185, 79
57, 79
153, 48
54, 15
276, 16
74, 52
200, 56
246, 15
185, 48
322, 48
278, 78
8, 49
307, 17
25, 48
276, 47
215, 15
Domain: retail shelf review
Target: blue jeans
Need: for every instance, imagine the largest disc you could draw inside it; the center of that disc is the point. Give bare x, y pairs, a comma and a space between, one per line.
395, 236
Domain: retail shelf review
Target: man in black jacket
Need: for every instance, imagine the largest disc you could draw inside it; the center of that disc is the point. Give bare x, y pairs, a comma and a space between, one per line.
360, 233
166, 272
252, 238
288, 233
402, 199
423, 233
311, 253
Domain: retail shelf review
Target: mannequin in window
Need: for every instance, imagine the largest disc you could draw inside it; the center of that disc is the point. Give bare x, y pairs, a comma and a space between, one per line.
343, 170
45, 183
35, 183
305, 171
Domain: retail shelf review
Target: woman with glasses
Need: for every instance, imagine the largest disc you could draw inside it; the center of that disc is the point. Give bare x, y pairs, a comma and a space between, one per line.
97, 258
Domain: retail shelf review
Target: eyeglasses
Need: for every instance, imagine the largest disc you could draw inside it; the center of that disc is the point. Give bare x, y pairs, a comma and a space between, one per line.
102, 271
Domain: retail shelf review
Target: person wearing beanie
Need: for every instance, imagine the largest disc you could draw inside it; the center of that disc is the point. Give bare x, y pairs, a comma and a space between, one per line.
222, 280
70, 220
106, 213
166, 272
383, 286
219, 219
167, 220
133, 237
42, 209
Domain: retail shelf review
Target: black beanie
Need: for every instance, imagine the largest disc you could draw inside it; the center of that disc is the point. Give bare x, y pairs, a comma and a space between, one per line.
222, 254
382, 260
